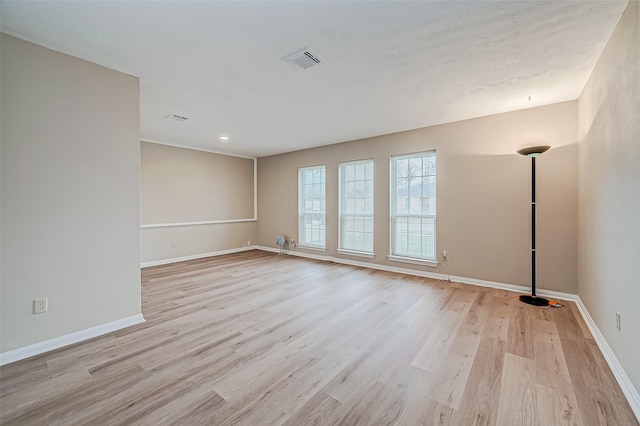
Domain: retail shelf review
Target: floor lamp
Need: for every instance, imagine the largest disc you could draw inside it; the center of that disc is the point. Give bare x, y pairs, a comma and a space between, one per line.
533, 299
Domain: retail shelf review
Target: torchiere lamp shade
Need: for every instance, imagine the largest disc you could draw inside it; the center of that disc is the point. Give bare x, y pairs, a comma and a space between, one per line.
534, 151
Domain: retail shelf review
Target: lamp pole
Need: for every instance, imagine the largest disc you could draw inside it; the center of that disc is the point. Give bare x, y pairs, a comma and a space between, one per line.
533, 299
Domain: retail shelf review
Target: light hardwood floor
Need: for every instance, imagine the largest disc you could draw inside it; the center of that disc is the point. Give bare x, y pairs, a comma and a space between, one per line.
260, 339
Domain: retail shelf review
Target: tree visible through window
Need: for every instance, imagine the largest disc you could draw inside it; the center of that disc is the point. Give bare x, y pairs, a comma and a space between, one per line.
311, 206
356, 206
413, 205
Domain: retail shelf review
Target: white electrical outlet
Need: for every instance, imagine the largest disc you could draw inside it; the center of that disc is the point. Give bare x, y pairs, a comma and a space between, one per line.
40, 305
173, 244
445, 253
618, 321
248, 243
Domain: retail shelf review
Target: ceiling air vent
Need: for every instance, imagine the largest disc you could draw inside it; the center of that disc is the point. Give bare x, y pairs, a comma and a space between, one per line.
303, 59
177, 117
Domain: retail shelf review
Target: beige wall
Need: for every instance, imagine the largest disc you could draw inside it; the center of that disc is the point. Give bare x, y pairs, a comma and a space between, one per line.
194, 240
182, 185
483, 194
186, 185
70, 194
609, 193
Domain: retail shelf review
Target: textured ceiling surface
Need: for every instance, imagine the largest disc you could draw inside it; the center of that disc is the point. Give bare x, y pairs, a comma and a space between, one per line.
387, 66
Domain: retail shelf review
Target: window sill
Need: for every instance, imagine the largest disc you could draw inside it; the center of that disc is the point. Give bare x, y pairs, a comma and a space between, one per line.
414, 260
314, 248
357, 253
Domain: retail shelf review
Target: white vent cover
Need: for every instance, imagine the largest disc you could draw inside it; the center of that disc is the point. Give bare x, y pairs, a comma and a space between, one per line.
177, 117
303, 59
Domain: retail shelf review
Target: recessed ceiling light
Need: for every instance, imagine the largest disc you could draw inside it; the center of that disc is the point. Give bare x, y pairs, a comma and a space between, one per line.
224, 138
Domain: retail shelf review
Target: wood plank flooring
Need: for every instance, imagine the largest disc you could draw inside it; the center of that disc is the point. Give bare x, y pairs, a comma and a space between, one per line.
260, 339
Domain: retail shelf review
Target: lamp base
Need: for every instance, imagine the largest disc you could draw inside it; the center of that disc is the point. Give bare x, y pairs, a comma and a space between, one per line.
534, 300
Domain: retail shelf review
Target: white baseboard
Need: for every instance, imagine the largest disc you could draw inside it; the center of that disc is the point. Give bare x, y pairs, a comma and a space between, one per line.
68, 339
194, 256
618, 371
616, 368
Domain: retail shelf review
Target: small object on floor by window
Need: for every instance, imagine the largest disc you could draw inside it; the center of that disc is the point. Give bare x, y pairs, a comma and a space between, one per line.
281, 241
554, 304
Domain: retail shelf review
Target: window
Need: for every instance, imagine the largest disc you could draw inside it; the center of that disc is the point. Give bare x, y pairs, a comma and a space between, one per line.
413, 207
356, 207
311, 206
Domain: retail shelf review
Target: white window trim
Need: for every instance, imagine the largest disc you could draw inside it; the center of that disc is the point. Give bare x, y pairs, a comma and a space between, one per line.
392, 203
306, 245
340, 250
413, 260
310, 247
366, 254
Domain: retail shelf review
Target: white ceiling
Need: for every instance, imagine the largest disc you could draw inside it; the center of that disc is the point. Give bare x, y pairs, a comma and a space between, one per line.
388, 66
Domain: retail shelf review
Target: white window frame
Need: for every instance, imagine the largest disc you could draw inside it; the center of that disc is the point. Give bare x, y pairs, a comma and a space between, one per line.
302, 213
341, 206
395, 254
